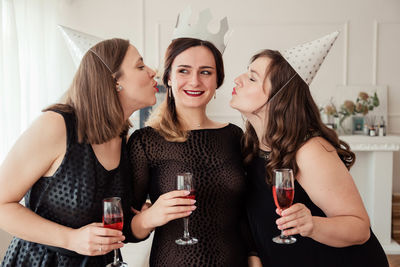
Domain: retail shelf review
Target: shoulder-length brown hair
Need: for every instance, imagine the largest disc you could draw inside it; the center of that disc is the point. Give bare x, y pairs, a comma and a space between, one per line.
293, 118
164, 118
92, 96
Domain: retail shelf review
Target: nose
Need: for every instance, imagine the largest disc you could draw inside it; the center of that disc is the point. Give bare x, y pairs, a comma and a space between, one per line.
237, 80
194, 80
151, 72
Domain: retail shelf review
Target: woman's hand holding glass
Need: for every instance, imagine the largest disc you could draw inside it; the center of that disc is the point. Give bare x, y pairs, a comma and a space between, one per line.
169, 206
94, 240
297, 217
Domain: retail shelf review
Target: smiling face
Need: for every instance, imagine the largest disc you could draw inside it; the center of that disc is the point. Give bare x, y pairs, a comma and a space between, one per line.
138, 85
193, 77
252, 87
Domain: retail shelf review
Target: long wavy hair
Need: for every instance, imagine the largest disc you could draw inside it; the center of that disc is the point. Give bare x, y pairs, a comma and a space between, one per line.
92, 96
164, 118
292, 118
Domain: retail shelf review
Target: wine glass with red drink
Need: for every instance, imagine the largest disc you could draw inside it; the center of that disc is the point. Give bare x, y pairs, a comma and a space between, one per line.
283, 192
113, 218
184, 181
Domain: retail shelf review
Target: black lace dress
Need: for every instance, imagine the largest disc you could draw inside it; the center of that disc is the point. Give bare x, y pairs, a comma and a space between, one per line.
214, 158
306, 252
72, 197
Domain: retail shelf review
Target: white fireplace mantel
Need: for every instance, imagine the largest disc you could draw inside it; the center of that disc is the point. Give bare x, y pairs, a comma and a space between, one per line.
375, 143
373, 175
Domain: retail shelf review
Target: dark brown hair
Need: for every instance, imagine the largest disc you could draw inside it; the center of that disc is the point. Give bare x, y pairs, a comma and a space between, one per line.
293, 118
92, 96
164, 118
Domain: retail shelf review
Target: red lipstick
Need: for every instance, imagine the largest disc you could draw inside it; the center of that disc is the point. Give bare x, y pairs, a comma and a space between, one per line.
234, 91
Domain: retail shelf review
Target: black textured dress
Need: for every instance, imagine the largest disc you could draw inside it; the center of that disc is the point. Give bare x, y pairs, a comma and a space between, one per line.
72, 197
306, 252
214, 158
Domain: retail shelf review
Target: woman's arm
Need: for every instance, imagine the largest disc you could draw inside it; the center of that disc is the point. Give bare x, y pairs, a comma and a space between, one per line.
330, 186
254, 261
35, 154
169, 206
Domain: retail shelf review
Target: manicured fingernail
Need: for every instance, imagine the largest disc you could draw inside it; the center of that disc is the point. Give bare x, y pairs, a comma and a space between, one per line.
186, 192
194, 207
193, 201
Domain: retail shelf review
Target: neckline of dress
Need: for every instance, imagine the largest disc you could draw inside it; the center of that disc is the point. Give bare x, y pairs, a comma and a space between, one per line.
99, 163
206, 129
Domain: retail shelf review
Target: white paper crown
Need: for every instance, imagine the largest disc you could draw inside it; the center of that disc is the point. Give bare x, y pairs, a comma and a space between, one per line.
307, 58
183, 28
78, 42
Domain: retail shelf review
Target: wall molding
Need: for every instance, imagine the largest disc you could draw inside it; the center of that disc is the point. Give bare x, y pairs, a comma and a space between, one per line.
143, 24
375, 37
346, 52
158, 44
375, 46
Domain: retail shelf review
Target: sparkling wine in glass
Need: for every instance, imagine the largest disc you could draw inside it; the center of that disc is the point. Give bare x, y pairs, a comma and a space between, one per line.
184, 181
113, 218
283, 192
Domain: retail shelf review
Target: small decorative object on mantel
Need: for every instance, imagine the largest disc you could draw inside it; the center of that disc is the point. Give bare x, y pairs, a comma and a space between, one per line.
362, 106
331, 116
358, 110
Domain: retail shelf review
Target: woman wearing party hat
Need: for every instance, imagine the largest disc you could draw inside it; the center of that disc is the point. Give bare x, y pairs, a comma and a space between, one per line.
327, 224
71, 158
181, 138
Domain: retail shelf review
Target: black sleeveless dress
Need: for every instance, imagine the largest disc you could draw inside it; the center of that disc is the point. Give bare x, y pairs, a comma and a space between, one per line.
72, 197
214, 158
306, 251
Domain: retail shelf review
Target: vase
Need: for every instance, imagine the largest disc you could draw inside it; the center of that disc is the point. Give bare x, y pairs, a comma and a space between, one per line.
345, 126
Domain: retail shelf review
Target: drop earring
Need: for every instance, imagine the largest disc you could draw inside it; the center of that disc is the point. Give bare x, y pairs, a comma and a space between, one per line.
169, 92
215, 95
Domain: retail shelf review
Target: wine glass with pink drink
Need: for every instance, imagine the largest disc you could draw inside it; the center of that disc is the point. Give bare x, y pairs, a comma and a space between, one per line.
283, 192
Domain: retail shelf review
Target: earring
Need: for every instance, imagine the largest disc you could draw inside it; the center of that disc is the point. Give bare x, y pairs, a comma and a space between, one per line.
119, 88
215, 95
169, 92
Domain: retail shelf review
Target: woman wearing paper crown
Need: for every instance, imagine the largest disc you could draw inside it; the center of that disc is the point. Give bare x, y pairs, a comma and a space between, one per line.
284, 130
181, 138
71, 158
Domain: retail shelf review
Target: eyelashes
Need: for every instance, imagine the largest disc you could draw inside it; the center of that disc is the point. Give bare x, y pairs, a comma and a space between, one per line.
185, 71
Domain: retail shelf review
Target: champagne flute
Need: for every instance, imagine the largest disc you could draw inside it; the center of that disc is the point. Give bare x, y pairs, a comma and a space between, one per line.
113, 218
283, 192
184, 181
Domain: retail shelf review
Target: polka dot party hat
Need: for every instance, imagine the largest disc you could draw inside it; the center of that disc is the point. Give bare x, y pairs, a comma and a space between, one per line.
78, 42
306, 59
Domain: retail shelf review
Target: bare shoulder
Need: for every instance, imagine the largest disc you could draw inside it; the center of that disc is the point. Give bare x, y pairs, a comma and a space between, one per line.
317, 151
37, 149
51, 120
47, 131
315, 147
